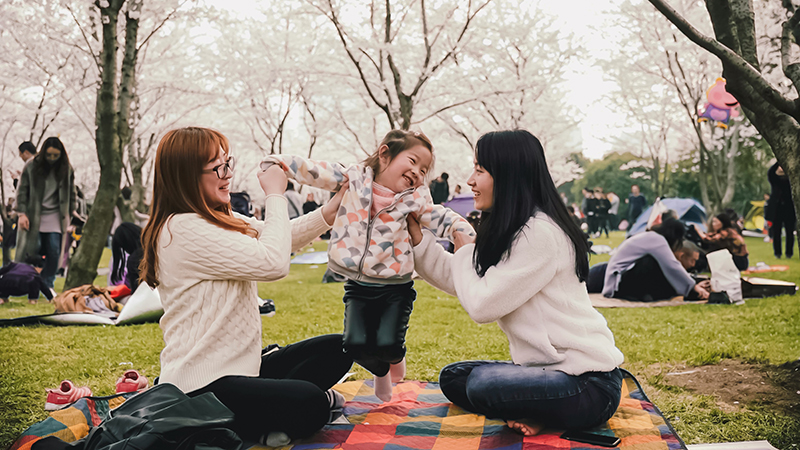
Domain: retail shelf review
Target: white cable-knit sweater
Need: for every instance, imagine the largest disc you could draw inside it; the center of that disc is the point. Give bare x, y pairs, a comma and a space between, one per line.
208, 275
533, 295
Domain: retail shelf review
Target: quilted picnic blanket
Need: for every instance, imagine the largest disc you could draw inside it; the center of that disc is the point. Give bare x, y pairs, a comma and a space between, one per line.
419, 417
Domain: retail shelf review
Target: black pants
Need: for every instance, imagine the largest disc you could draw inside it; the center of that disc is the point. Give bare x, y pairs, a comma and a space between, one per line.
375, 323
645, 282
597, 278
289, 393
785, 220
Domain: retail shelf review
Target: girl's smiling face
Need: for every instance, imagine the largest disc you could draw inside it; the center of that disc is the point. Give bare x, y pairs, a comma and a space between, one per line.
407, 170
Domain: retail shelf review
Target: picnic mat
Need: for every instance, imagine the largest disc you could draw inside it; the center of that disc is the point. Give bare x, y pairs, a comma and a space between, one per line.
598, 301
418, 418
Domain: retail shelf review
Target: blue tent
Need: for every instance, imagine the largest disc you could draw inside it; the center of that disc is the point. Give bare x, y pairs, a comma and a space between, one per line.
689, 211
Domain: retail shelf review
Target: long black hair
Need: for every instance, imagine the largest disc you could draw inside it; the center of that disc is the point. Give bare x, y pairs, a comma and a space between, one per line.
127, 240
673, 231
60, 167
522, 186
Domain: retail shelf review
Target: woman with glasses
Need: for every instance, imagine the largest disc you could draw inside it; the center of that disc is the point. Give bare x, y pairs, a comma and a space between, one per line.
206, 262
45, 204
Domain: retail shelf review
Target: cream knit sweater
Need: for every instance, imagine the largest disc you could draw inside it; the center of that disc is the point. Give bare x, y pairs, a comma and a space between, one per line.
533, 295
211, 323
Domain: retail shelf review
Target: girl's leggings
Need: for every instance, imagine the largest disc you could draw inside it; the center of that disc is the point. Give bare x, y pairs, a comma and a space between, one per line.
375, 323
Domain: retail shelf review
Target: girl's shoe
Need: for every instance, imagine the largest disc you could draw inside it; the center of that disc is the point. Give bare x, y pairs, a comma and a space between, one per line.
131, 381
66, 394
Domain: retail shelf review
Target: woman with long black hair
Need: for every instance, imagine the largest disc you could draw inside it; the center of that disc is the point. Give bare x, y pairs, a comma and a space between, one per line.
525, 271
45, 203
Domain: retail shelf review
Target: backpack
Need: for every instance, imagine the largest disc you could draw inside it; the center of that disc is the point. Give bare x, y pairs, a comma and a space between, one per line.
240, 202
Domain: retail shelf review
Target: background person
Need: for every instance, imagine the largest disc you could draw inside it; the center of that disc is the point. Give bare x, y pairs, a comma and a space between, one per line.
24, 278
126, 248
636, 204
653, 266
45, 205
723, 234
440, 189
294, 200
525, 271
206, 262
613, 218
780, 211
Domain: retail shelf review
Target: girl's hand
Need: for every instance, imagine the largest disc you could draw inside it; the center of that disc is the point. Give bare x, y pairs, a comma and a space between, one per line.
273, 180
414, 230
23, 222
332, 207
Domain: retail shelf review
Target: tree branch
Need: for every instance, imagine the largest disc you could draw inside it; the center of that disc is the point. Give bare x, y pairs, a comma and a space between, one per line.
729, 58
85, 38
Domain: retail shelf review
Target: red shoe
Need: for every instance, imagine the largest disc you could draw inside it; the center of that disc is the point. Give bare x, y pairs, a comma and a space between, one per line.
131, 381
65, 395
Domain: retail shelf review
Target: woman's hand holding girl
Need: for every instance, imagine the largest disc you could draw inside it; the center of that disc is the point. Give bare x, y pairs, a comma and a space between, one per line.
461, 239
273, 180
332, 207
415, 233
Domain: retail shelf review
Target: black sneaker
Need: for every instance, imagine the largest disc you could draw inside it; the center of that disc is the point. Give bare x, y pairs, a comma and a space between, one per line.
268, 308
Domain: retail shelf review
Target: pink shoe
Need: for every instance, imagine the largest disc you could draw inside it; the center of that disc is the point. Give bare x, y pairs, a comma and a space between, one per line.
131, 381
65, 395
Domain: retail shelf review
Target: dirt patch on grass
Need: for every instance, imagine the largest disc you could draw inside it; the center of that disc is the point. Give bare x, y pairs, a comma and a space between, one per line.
737, 384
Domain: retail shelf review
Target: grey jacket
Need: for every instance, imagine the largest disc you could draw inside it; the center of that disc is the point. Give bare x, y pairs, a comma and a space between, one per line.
30, 193
647, 243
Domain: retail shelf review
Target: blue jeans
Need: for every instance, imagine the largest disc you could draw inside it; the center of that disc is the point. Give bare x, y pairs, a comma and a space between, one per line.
504, 390
50, 248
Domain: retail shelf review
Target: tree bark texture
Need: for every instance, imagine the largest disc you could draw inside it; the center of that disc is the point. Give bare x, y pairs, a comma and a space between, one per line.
774, 115
112, 113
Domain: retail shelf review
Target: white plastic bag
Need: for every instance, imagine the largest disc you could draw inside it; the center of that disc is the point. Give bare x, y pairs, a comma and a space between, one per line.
725, 275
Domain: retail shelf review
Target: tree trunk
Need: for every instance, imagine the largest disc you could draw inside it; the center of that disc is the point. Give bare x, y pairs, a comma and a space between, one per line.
112, 110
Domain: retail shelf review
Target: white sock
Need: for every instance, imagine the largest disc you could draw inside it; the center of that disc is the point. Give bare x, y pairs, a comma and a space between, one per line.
277, 439
383, 387
398, 371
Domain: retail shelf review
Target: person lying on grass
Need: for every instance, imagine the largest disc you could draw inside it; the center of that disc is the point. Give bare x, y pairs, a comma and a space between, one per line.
206, 262
525, 271
24, 278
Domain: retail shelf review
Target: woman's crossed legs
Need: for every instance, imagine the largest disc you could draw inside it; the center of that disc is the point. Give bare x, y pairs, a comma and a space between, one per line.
531, 398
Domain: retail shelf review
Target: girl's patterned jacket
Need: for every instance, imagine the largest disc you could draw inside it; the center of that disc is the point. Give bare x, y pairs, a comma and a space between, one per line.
378, 249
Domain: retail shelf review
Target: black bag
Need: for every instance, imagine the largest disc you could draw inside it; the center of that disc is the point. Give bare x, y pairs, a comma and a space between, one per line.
162, 417
719, 298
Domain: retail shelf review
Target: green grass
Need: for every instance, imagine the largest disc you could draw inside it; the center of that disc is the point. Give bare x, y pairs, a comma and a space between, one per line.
765, 331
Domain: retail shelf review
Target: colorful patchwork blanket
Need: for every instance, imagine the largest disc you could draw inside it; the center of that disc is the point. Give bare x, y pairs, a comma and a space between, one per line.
419, 417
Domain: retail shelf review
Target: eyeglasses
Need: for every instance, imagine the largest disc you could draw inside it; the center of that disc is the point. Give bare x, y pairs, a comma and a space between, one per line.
223, 169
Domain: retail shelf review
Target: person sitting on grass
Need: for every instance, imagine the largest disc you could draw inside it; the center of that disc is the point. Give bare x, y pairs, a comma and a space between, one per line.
206, 262
653, 266
722, 234
525, 271
24, 278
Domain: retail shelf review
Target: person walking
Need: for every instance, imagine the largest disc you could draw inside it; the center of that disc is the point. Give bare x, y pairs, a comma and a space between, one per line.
525, 271
206, 262
46, 201
780, 211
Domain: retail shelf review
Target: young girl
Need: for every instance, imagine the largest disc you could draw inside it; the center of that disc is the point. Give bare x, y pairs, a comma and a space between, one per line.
370, 246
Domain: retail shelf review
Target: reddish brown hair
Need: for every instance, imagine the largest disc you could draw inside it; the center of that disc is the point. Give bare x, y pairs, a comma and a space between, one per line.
180, 159
398, 141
